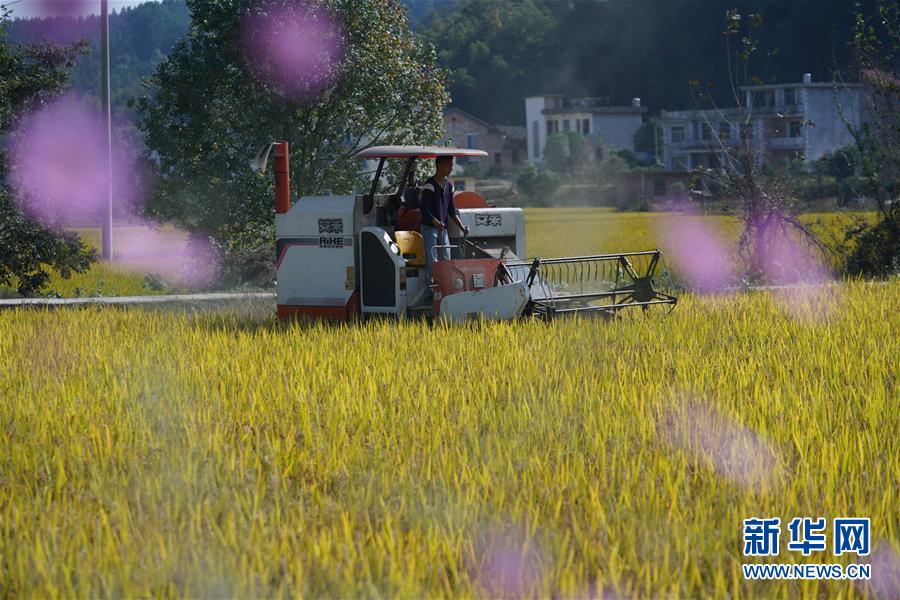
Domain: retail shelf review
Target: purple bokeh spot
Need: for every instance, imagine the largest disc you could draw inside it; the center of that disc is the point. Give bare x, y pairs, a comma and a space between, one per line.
148, 247
64, 8
508, 566
292, 46
58, 164
697, 252
789, 261
798, 266
885, 581
735, 452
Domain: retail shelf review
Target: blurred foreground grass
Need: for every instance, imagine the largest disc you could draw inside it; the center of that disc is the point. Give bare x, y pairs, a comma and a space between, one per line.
158, 453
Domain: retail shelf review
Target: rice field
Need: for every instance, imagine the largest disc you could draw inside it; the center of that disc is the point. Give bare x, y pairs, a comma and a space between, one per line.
549, 232
220, 453
217, 454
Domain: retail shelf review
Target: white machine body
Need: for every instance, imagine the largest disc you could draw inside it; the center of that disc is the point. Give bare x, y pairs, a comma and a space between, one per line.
493, 228
500, 303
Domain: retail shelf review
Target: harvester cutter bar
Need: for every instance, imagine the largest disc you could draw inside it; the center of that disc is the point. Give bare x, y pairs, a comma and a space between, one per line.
602, 283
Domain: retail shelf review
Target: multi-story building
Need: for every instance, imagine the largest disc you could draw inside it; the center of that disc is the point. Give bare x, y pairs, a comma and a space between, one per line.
783, 121
505, 145
602, 125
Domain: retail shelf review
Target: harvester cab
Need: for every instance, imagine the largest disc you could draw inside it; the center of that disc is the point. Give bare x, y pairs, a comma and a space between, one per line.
341, 257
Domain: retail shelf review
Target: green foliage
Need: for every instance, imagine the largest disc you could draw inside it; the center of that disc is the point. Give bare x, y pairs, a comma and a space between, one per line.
578, 151
565, 152
29, 248
140, 38
877, 152
630, 159
877, 250
623, 49
210, 116
556, 152
537, 187
30, 75
649, 138
840, 164
492, 48
610, 168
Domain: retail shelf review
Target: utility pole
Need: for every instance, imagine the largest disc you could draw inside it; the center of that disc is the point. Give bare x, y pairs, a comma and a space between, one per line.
107, 226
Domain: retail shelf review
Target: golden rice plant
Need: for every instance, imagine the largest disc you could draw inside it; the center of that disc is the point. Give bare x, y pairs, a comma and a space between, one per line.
550, 232
210, 454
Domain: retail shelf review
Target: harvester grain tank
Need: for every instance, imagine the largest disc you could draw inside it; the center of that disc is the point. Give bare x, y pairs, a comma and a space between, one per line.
343, 257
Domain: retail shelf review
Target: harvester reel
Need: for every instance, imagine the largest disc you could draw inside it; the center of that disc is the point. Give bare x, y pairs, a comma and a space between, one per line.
602, 284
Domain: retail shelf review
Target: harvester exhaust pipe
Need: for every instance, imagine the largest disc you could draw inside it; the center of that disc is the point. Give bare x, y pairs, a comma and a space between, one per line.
282, 172
282, 178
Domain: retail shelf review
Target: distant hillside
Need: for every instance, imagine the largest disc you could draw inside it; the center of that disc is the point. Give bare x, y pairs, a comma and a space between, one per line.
140, 38
502, 50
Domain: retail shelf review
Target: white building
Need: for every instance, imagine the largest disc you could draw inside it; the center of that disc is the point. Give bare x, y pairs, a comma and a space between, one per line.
602, 125
785, 121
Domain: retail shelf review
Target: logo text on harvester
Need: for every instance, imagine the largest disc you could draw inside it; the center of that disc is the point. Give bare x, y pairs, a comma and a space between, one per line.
809, 536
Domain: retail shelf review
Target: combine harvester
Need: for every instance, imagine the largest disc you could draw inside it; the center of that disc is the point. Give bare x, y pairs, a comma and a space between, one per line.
342, 257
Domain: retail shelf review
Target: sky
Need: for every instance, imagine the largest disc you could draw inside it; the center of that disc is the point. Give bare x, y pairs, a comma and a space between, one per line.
24, 9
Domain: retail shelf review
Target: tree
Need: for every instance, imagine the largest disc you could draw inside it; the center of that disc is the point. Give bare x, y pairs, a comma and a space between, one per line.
764, 192
214, 109
877, 47
140, 38
565, 152
621, 49
29, 76
578, 151
536, 186
493, 48
648, 138
556, 152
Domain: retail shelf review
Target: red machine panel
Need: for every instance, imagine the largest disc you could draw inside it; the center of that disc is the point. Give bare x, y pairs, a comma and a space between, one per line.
455, 276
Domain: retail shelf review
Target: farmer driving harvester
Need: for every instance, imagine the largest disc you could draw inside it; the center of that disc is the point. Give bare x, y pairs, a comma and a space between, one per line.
342, 257
437, 206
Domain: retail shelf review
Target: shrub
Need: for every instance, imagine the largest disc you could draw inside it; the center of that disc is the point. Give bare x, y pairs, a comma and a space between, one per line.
877, 251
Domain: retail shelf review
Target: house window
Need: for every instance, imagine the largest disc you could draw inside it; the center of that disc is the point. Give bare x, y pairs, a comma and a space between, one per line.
586, 126
706, 131
566, 125
535, 130
795, 129
472, 140
790, 97
497, 159
677, 135
724, 130
550, 125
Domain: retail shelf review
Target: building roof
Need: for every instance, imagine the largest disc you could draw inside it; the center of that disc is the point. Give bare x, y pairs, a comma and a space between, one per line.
777, 86
610, 110
714, 113
513, 131
467, 115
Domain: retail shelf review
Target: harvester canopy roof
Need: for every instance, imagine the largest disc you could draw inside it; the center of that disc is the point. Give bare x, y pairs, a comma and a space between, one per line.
416, 152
